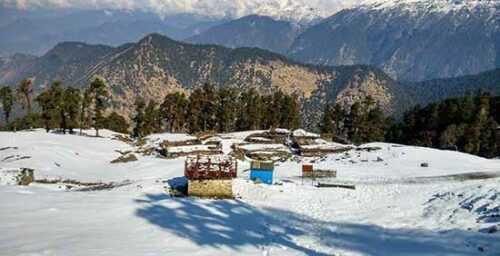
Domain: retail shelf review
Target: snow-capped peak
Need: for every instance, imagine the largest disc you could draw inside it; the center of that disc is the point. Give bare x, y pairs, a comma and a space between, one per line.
294, 10
431, 5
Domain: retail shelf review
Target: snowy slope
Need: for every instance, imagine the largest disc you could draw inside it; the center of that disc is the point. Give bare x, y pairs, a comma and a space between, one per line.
296, 10
393, 211
84, 158
430, 5
410, 40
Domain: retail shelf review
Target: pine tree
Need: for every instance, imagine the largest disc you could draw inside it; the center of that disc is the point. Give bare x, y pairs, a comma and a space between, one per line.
227, 107
140, 106
277, 112
99, 97
472, 139
174, 111
250, 112
24, 91
208, 107
195, 108
326, 125
294, 116
85, 116
43, 100
488, 139
58, 105
72, 101
267, 113
151, 118
354, 121
339, 118
375, 126
50, 101
7, 101
116, 122
449, 137
289, 111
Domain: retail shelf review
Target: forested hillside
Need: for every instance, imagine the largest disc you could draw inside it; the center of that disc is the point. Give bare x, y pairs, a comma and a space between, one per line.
434, 90
468, 124
156, 66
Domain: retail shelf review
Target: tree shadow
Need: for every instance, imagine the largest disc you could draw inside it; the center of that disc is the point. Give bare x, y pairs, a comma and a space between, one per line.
234, 224
218, 223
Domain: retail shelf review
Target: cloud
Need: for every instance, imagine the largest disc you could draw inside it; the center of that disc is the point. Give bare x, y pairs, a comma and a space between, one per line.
231, 8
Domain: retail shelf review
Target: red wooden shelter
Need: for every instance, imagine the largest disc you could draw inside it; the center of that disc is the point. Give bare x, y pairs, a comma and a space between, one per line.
210, 168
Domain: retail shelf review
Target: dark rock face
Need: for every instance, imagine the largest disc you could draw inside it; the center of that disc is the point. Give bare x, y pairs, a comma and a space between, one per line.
252, 31
412, 41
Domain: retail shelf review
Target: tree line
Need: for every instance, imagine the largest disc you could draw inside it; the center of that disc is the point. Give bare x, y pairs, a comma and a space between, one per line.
61, 108
225, 109
468, 124
363, 121
205, 109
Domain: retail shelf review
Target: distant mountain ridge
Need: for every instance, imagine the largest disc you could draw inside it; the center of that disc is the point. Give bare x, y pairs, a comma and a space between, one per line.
37, 31
410, 40
252, 31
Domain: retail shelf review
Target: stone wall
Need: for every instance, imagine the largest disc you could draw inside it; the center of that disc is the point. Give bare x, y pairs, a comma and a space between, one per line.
211, 188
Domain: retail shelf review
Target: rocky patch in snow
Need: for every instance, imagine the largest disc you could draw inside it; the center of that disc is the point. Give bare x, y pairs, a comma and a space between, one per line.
469, 206
19, 176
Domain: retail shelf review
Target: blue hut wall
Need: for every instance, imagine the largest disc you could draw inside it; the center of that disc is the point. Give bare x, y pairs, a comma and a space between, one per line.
265, 176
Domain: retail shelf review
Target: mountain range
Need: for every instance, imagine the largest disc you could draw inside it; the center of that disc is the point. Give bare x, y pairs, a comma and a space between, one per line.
252, 31
291, 10
35, 32
157, 65
382, 50
411, 40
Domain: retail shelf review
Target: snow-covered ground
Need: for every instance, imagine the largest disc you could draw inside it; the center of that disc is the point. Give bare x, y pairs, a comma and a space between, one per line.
398, 207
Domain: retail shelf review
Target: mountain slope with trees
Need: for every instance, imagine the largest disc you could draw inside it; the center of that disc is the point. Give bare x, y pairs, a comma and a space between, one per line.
157, 66
468, 124
426, 92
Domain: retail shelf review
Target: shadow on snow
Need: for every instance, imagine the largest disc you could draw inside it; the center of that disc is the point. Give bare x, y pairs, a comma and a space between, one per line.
235, 224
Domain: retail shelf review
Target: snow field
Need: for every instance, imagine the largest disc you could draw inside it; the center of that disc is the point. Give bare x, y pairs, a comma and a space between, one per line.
388, 213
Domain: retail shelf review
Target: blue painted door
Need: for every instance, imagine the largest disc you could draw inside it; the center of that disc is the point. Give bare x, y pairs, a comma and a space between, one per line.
264, 176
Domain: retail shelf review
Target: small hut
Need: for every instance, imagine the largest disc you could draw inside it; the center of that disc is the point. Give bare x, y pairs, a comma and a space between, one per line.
272, 136
193, 150
262, 152
322, 149
311, 145
262, 171
301, 137
179, 145
210, 177
308, 171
